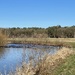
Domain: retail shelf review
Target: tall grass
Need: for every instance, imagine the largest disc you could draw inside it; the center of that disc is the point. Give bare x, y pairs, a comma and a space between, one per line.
51, 63
47, 65
3, 39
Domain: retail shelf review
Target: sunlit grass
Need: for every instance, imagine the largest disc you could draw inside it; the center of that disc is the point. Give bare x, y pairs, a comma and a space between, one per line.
66, 68
61, 63
3, 39
49, 65
67, 42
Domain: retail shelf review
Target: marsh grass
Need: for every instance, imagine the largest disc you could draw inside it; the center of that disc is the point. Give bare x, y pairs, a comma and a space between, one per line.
65, 42
3, 39
49, 65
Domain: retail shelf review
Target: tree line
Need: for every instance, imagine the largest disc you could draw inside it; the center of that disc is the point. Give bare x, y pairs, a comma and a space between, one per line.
36, 32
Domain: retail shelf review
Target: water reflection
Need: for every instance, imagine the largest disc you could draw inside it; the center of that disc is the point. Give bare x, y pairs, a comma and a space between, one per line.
2, 52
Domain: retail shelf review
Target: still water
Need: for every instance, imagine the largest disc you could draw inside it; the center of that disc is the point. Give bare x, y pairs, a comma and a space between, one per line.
15, 54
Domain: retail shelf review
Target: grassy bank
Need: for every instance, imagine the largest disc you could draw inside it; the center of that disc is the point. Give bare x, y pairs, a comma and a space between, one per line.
66, 42
63, 61
66, 68
52, 64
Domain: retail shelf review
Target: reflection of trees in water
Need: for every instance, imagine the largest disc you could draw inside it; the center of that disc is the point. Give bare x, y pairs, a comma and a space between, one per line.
33, 55
2, 51
23, 55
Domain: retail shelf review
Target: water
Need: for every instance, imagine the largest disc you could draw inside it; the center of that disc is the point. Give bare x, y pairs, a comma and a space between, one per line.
12, 57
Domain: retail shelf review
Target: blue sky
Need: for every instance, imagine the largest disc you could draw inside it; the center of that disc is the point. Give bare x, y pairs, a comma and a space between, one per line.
37, 13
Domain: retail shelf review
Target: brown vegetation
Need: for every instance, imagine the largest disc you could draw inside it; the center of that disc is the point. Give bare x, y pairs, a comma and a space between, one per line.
65, 42
47, 65
3, 39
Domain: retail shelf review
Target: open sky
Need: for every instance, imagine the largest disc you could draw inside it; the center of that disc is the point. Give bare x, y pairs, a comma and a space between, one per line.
37, 13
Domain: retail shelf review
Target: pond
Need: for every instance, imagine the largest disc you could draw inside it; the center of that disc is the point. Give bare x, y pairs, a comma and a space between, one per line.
15, 54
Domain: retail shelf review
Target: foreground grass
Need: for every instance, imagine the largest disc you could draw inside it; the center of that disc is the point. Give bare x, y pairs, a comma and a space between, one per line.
53, 64
66, 42
66, 68
63, 61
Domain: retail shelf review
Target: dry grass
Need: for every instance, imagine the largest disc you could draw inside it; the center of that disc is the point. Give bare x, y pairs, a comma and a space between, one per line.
51, 62
44, 39
46, 65
65, 42
3, 39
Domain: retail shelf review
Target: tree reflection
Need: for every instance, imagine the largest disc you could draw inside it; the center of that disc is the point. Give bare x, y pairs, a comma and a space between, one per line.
2, 51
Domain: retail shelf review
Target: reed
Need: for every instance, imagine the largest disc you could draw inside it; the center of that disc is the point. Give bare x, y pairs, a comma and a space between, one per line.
3, 39
45, 66
49, 65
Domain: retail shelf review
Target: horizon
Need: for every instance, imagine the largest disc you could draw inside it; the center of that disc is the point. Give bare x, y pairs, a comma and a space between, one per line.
36, 13
37, 27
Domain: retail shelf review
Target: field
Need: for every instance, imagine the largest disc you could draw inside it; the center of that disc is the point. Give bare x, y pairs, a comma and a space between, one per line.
67, 42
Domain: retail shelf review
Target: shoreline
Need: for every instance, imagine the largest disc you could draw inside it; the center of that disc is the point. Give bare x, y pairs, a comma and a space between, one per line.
11, 45
47, 65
